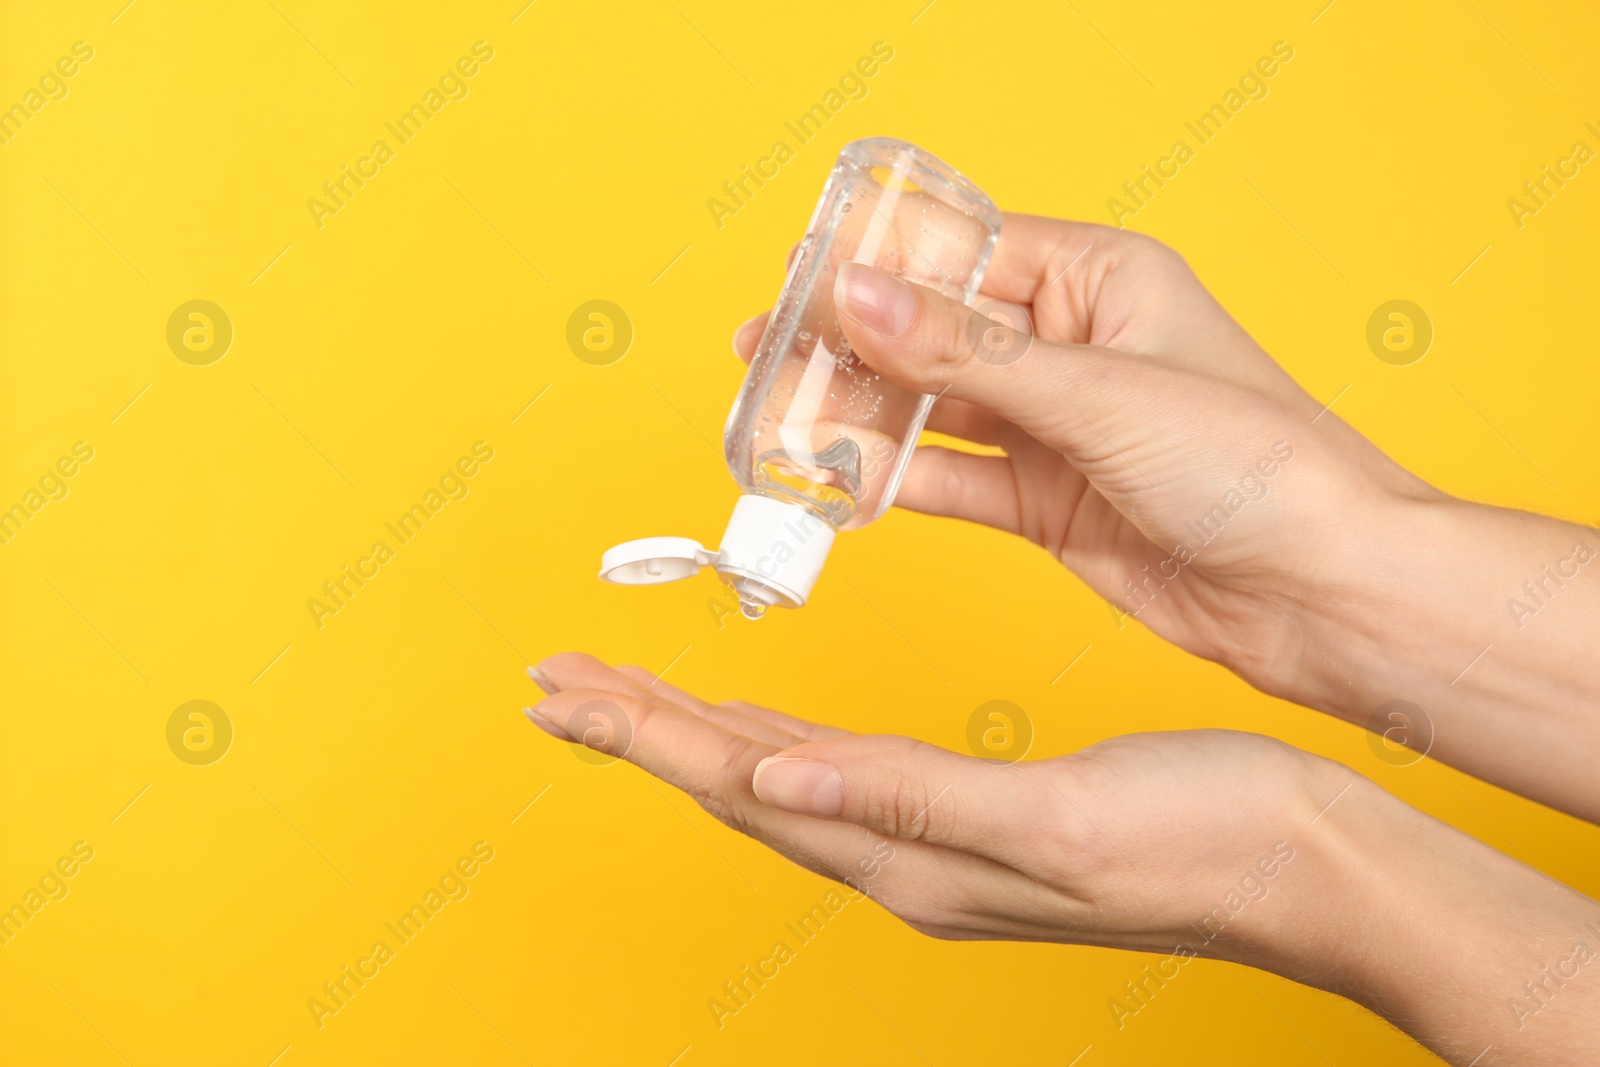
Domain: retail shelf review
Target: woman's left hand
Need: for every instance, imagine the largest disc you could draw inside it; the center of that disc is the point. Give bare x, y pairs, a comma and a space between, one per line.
1135, 842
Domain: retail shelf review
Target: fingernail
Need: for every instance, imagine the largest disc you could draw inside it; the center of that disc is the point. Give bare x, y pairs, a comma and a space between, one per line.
884, 304
799, 785
739, 334
543, 682
547, 725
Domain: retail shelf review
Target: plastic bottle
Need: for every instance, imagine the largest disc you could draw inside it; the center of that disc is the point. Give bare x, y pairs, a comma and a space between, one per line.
817, 441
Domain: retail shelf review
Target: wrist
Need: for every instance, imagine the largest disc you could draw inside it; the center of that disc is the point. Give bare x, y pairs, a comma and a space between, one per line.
1432, 582
1436, 932
1332, 936
1314, 927
1463, 611
1389, 597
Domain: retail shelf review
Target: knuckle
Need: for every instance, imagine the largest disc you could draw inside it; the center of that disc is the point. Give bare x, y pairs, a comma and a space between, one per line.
1144, 245
1161, 256
1064, 255
900, 805
725, 793
882, 809
727, 810
1073, 851
943, 334
953, 488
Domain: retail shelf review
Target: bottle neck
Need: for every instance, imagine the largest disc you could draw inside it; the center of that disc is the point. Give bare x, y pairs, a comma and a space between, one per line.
773, 550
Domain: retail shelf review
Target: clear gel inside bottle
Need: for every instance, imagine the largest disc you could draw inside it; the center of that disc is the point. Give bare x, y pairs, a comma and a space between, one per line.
817, 440
813, 424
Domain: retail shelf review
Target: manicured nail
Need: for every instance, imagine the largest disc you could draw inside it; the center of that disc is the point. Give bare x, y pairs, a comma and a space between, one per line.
739, 335
543, 682
549, 726
884, 304
799, 785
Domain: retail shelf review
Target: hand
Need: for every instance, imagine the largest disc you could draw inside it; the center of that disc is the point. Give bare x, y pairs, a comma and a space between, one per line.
1131, 843
1156, 450
1150, 444
1201, 843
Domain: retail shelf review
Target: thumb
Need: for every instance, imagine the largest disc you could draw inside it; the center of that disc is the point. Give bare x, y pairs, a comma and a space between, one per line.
927, 342
909, 790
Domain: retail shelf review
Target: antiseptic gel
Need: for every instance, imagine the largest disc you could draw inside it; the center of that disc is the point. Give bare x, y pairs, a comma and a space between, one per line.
817, 441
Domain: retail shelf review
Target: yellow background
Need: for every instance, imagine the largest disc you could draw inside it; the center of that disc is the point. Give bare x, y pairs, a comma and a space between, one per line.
418, 320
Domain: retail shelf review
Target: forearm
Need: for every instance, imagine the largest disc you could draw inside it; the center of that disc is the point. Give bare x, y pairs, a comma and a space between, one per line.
1451, 941
1486, 619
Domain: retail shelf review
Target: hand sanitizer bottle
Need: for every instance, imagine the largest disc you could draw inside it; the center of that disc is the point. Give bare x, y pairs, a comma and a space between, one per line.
816, 440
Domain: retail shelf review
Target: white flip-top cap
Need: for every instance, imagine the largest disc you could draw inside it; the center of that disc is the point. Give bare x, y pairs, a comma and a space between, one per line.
771, 553
652, 560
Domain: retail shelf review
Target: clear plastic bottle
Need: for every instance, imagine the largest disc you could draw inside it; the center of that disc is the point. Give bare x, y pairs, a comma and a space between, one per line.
817, 440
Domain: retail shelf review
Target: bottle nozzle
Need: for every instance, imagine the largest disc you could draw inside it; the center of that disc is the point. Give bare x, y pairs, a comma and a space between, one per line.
771, 554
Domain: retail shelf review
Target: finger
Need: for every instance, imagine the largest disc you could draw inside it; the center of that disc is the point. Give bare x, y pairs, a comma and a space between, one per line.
809, 731
656, 735
1035, 252
575, 670
960, 485
748, 335
653, 684
579, 670
720, 714
957, 418
911, 791
749, 332
715, 767
1059, 394
941, 891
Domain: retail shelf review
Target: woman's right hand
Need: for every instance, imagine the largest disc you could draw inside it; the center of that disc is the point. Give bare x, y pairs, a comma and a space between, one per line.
1150, 445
